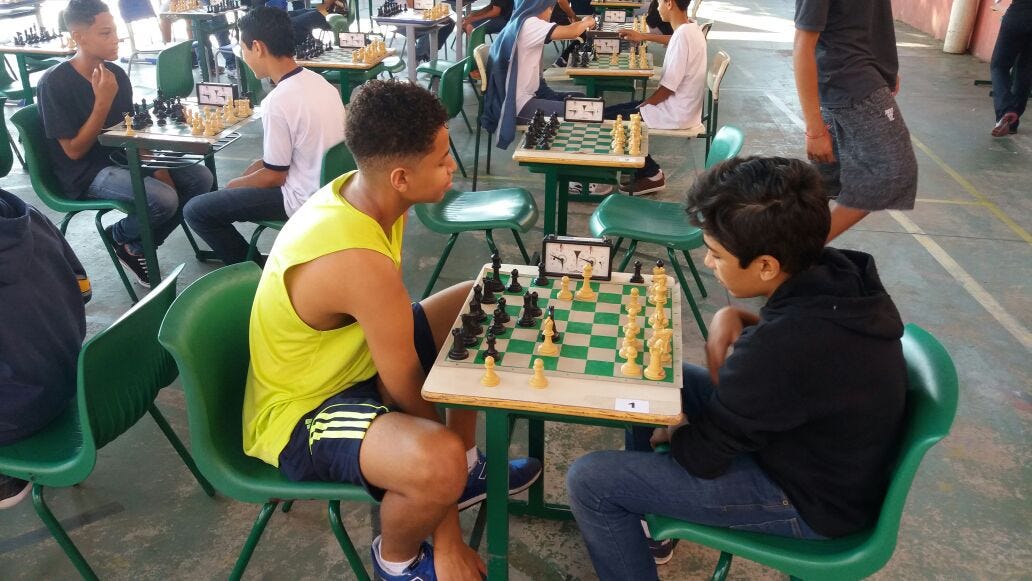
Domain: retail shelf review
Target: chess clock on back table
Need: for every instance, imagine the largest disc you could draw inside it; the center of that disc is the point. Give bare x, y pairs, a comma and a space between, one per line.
217, 94
604, 45
351, 40
584, 109
567, 255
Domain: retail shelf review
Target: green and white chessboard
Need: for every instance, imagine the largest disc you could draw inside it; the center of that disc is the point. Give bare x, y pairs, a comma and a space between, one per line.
605, 64
339, 58
591, 332
578, 143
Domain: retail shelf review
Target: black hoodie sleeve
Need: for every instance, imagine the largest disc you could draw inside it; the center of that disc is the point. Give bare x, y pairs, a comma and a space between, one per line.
85, 286
753, 401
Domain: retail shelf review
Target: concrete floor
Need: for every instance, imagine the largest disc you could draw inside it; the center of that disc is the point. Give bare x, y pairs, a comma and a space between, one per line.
959, 265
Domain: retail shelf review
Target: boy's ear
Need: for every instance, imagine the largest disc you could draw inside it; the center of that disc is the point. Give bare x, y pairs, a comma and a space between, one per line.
770, 267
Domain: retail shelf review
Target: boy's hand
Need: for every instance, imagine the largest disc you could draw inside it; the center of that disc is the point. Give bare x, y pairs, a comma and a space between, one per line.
819, 147
631, 35
458, 562
724, 330
589, 20
104, 85
659, 436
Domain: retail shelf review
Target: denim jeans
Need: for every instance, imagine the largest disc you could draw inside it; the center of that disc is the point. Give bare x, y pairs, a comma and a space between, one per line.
163, 201
1011, 65
212, 215
610, 491
651, 168
220, 35
423, 41
547, 101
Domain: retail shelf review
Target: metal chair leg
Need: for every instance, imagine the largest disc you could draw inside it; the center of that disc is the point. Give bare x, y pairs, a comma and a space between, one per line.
487, 169
64, 222
477, 534
466, 119
60, 535
252, 539
490, 241
627, 257
687, 292
476, 155
519, 243
695, 273
108, 245
287, 506
180, 449
458, 159
17, 152
190, 238
345, 542
252, 249
723, 566
440, 265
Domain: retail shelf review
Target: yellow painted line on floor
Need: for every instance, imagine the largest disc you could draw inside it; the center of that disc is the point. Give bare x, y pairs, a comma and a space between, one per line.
977, 291
955, 202
972, 191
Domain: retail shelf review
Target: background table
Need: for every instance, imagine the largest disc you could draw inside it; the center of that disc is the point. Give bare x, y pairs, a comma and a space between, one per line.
51, 48
202, 26
412, 20
351, 74
603, 76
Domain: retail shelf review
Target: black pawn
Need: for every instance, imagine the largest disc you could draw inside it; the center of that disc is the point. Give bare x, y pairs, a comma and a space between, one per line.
474, 305
495, 281
637, 278
491, 351
527, 317
458, 351
514, 282
471, 326
535, 309
541, 279
489, 296
500, 313
497, 325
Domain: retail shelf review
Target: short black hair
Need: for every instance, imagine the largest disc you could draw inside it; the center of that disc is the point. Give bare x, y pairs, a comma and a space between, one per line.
391, 120
763, 205
271, 26
83, 12
682, 5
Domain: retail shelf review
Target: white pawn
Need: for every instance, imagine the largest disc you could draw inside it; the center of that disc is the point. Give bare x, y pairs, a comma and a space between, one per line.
490, 378
564, 290
539, 380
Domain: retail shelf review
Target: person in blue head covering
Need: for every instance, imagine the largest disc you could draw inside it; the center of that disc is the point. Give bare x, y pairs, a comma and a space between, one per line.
515, 88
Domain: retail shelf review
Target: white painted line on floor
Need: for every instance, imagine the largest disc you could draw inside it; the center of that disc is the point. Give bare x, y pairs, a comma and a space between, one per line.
977, 291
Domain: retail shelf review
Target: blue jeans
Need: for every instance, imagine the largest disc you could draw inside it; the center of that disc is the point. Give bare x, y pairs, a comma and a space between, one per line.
610, 491
222, 36
423, 41
627, 109
1011, 64
114, 183
547, 101
212, 215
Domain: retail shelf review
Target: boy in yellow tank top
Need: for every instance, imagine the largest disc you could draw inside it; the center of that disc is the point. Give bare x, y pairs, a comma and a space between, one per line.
339, 353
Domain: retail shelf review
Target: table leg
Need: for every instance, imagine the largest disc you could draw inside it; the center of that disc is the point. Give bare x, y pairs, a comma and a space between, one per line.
23, 71
410, 51
497, 421
536, 449
562, 202
150, 253
433, 44
460, 47
550, 194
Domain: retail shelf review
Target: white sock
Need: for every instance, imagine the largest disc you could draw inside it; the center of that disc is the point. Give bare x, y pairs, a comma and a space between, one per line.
390, 567
471, 458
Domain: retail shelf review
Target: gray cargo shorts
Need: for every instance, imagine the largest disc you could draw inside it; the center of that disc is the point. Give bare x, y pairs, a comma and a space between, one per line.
875, 166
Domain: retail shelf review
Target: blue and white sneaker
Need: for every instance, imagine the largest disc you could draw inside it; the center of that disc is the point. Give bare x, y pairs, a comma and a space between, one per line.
422, 569
522, 473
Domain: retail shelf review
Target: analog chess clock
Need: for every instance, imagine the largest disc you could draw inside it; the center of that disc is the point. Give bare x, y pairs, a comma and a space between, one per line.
584, 109
615, 16
217, 94
567, 256
423, 4
351, 40
606, 45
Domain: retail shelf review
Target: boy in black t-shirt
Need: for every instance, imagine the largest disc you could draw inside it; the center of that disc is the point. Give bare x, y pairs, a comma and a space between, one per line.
494, 16
77, 100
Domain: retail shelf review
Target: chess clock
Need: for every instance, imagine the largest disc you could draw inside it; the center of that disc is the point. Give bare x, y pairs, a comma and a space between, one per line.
217, 94
606, 45
567, 255
423, 4
617, 16
351, 40
584, 109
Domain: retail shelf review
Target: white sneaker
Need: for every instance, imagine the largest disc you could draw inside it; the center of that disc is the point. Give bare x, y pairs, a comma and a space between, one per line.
594, 189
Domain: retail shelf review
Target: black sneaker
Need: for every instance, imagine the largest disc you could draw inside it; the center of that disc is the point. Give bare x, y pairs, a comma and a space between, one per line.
12, 491
643, 186
560, 63
662, 551
137, 265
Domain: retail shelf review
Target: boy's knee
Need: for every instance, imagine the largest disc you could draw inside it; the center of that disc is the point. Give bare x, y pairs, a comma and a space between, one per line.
440, 469
581, 475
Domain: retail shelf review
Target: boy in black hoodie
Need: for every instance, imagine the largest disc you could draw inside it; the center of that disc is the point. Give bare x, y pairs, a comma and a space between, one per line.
43, 288
793, 433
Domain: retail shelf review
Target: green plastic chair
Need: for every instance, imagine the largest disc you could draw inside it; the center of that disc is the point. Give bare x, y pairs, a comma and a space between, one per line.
175, 70
114, 392
206, 331
252, 84
48, 188
436, 69
509, 208
393, 65
931, 406
6, 147
337, 161
450, 93
11, 87
664, 223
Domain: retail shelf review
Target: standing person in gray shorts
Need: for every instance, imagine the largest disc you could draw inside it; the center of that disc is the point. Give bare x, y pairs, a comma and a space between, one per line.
846, 73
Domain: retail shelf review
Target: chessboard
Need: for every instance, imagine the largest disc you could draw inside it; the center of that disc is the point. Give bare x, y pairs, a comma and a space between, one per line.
603, 66
625, 4
581, 143
591, 334
341, 58
411, 17
176, 135
198, 9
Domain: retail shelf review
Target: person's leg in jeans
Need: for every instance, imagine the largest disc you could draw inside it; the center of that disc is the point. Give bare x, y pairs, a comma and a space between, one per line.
1012, 41
546, 106
113, 183
212, 215
696, 389
306, 21
495, 25
627, 109
423, 41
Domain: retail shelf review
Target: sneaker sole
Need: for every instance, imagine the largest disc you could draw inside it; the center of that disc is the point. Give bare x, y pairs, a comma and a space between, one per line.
664, 560
475, 500
644, 192
13, 500
132, 273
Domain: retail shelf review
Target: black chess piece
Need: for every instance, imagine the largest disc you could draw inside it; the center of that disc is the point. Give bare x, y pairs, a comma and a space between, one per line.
527, 316
489, 297
556, 335
475, 309
541, 279
514, 282
471, 326
535, 309
637, 278
497, 326
491, 350
458, 351
500, 311
542, 143
495, 280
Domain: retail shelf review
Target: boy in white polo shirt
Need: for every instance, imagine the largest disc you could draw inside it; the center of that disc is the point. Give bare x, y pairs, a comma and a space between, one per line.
677, 102
296, 137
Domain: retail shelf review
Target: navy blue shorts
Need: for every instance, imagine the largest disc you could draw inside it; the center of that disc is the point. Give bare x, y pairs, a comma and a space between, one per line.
325, 443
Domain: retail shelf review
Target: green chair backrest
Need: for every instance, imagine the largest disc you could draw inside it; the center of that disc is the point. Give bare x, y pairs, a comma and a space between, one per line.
206, 332
476, 38
727, 143
450, 89
37, 158
336, 162
254, 84
6, 155
174, 70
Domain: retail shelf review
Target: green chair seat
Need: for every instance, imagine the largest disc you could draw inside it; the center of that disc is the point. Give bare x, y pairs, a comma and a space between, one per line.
663, 223
932, 393
49, 456
511, 208
394, 65
435, 69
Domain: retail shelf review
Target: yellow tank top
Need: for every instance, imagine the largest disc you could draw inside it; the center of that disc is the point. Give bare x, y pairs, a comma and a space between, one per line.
293, 367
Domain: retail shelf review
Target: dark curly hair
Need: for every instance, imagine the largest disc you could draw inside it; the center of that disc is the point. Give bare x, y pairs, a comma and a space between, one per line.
391, 120
271, 26
83, 12
763, 205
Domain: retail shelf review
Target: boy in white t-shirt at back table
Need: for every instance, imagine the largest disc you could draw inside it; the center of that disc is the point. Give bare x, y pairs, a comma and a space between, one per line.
677, 102
295, 139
